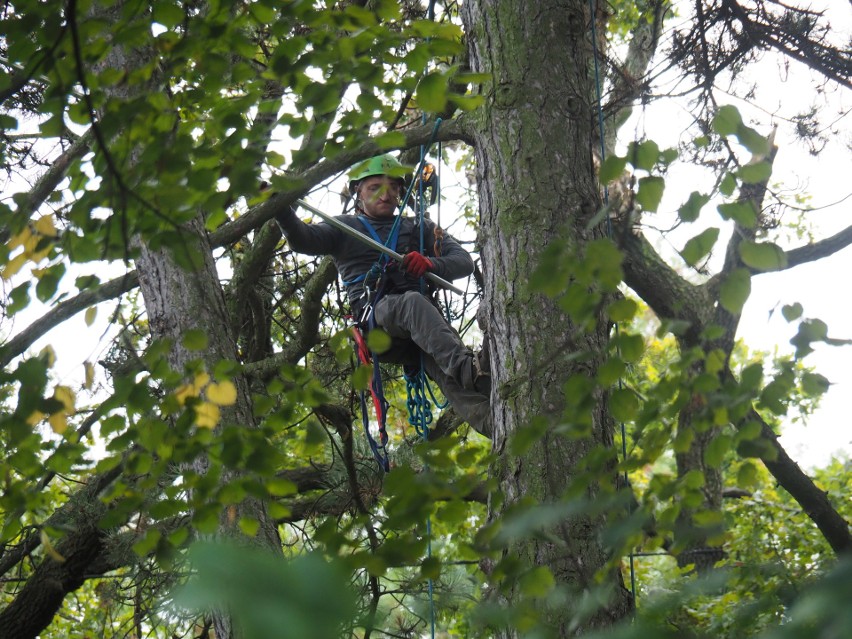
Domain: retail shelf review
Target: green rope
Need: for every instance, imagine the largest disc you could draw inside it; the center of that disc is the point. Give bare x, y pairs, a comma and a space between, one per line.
610, 234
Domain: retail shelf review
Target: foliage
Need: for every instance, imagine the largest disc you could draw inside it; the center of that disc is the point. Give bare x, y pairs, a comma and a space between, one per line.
129, 126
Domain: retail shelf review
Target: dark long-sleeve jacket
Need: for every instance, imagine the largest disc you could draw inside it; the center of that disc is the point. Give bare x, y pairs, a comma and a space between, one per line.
354, 258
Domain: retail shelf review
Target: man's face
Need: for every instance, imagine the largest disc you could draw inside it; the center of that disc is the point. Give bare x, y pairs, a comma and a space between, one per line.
379, 195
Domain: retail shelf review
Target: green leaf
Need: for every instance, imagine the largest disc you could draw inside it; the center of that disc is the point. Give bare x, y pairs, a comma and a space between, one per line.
814, 384
629, 346
324, 98
624, 404
20, 298
361, 377
743, 213
49, 281
699, 246
693, 479
792, 312
763, 256
727, 120
431, 92
391, 140
753, 141
751, 376
307, 595
650, 192
378, 341
643, 155
735, 290
728, 184
537, 582
611, 168
315, 434
7, 122
622, 310
279, 487
689, 211
430, 568
760, 448
747, 475
755, 173
611, 371
148, 543
167, 14
526, 436
717, 449
249, 526
195, 339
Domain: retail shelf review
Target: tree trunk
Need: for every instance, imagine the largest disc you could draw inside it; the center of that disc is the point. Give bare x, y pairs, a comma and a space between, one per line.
179, 300
536, 186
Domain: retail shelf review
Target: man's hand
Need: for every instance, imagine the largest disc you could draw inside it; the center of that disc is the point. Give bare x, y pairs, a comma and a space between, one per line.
416, 264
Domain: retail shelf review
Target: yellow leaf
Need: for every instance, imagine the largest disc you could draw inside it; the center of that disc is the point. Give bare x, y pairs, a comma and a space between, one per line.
206, 415
30, 243
91, 314
191, 390
20, 239
35, 417
13, 266
66, 396
183, 393
223, 394
58, 422
90, 375
200, 382
44, 225
48, 355
37, 256
48, 547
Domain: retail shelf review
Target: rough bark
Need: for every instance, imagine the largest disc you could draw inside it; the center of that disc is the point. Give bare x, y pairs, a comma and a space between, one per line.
536, 185
177, 301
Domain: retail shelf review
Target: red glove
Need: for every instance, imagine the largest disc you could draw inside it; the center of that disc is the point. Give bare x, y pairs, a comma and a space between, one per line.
416, 264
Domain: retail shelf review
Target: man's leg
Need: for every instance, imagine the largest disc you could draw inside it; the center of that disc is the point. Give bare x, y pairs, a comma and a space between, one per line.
411, 315
471, 405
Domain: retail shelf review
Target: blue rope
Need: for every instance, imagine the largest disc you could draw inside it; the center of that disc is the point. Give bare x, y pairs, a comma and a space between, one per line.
423, 405
610, 234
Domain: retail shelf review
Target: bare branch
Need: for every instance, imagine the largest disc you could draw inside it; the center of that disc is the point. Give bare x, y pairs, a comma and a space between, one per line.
821, 249
812, 499
63, 311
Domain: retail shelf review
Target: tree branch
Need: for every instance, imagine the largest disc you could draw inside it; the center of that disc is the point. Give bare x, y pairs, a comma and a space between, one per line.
813, 501
819, 250
307, 332
65, 310
668, 294
281, 201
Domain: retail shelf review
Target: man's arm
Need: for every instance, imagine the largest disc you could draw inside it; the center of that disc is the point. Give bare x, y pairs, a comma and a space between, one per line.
311, 239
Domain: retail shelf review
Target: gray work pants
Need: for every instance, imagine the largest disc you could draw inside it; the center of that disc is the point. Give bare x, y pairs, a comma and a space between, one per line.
411, 316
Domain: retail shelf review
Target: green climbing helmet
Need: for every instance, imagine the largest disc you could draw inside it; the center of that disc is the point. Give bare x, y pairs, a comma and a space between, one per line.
379, 165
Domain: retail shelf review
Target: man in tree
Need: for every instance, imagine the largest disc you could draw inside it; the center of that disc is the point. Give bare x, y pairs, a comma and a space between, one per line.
389, 296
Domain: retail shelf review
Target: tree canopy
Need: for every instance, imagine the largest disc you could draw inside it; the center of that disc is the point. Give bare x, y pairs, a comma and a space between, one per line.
206, 473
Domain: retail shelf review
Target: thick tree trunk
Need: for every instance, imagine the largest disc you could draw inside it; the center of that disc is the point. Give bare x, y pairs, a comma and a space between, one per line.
179, 300
536, 186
